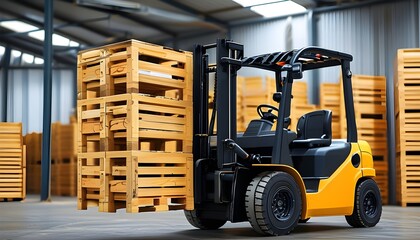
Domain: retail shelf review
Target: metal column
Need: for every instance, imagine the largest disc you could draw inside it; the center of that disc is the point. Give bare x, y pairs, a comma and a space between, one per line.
5, 67
313, 86
46, 129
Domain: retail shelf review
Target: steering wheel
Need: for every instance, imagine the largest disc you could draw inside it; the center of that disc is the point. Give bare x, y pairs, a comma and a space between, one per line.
267, 115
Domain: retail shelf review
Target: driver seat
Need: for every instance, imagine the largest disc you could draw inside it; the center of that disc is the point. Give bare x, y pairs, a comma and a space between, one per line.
314, 130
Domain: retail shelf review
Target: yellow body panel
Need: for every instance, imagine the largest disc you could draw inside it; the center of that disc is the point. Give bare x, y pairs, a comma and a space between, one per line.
335, 195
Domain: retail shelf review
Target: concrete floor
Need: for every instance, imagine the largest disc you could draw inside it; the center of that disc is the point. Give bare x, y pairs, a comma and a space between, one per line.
59, 219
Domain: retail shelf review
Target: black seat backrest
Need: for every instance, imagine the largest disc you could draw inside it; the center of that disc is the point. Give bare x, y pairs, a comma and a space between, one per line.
314, 129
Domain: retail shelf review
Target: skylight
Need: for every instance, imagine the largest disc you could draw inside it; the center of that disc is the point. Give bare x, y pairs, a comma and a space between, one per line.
272, 8
18, 26
35, 32
39, 60
27, 58
250, 3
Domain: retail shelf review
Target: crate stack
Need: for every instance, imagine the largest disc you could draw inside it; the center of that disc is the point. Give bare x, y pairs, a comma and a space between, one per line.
135, 128
369, 97
300, 105
12, 162
64, 159
33, 165
329, 98
256, 91
407, 115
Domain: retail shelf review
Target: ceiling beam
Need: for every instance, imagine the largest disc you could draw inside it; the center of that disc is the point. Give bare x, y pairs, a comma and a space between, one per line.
82, 23
26, 45
136, 19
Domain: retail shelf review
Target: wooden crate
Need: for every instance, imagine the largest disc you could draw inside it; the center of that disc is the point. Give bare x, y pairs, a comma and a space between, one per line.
90, 168
136, 180
33, 165
130, 121
407, 116
63, 160
329, 98
134, 67
12, 162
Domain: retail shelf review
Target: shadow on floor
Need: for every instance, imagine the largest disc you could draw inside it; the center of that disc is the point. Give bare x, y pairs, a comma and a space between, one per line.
239, 233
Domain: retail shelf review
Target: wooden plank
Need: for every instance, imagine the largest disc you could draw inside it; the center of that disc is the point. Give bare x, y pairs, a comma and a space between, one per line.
161, 170
146, 192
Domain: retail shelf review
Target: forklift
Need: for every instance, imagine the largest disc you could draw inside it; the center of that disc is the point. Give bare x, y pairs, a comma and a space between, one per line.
276, 177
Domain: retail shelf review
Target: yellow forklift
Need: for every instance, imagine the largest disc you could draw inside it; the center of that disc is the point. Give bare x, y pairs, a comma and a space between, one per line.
276, 178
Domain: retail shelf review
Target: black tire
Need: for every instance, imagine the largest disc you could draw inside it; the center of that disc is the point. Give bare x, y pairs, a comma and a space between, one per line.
367, 205
273, 203
202, 223
304, 220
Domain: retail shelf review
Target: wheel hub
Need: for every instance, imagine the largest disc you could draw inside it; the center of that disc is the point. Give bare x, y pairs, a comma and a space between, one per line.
282, 205
369, 204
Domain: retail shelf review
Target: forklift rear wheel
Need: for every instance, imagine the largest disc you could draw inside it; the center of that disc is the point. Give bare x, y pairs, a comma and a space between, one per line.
273, 203
202, 223
367, 205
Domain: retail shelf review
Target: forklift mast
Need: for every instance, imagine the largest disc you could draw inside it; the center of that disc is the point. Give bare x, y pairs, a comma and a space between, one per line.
225, 100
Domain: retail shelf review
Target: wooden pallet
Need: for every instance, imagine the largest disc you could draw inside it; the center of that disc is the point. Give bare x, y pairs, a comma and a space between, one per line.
136, 180
134, 67
407, 116
12, 162
130, 121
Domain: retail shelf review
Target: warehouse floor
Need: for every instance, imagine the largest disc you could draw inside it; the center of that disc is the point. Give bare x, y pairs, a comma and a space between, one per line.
59, 219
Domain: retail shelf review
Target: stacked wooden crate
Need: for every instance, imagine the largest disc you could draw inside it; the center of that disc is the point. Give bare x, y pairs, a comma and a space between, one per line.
256, 91
329, 98
407, 115
135, 128
64, 159
33, 164
12, 162
369, 97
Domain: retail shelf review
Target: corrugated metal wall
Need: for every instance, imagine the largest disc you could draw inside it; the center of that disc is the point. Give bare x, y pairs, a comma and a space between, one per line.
372, 34
25, 97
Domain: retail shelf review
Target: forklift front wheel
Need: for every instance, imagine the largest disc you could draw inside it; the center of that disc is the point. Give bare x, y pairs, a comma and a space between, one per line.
202, 223
367, 205
273, 203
